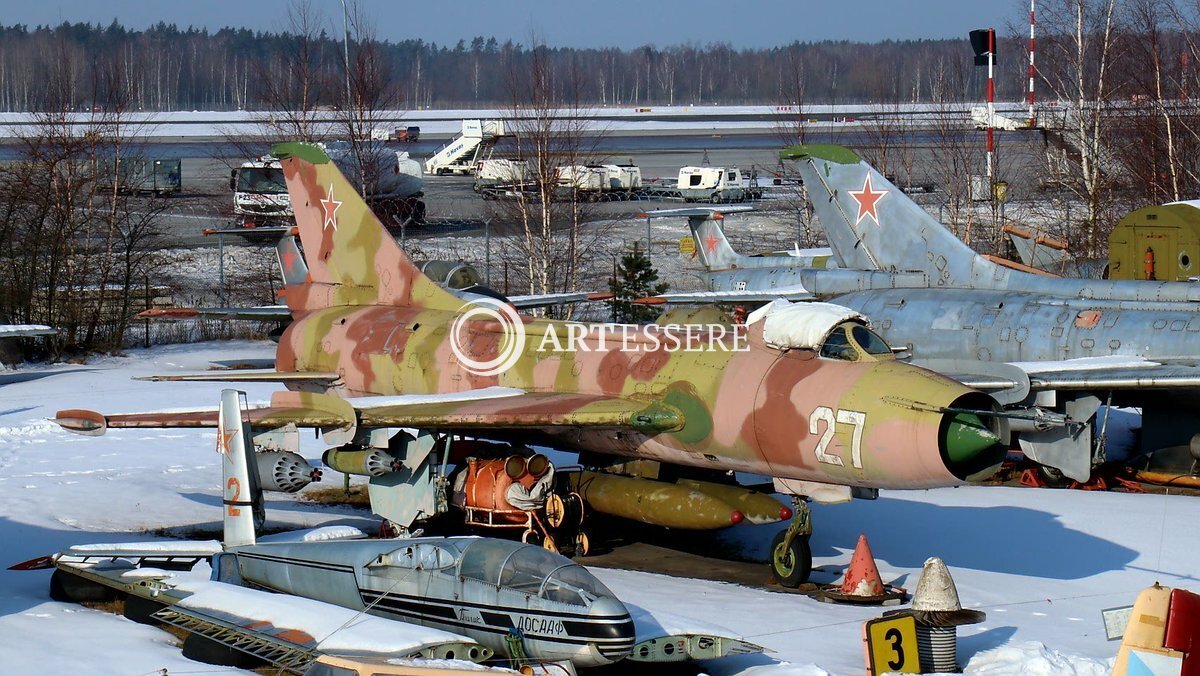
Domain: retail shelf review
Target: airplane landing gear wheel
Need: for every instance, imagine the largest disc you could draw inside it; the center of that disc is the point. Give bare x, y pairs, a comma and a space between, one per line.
583, 543
549, 544
556, 510
791, 563
1053, 476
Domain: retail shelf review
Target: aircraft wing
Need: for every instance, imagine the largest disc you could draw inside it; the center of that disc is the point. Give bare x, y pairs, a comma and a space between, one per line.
294, 628
545, 299
695, 211
1110, 373
1085, 373
281, 313
262, 312
794, 292
246, 376
15, 330
486, 408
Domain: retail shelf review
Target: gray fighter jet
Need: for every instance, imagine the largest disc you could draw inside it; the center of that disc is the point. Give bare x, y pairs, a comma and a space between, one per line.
1054, 348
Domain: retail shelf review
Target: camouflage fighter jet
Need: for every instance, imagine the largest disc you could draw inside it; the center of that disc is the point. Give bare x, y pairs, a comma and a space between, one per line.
807, 395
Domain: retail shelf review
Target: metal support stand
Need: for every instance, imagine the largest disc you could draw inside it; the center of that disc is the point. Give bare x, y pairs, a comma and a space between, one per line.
937, 648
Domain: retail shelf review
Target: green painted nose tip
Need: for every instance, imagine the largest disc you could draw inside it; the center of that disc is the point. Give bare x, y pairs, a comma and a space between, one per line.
967, 436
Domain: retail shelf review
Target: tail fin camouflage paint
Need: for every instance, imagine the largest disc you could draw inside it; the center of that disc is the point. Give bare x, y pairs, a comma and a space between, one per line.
351, 258
241, 495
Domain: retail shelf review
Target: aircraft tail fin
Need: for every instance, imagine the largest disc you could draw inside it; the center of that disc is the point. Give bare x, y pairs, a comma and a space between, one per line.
872, 225
351, 257
712, 247
242, 498
291, 262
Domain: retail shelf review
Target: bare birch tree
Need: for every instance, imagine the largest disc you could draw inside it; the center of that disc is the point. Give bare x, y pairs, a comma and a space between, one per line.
1081, 43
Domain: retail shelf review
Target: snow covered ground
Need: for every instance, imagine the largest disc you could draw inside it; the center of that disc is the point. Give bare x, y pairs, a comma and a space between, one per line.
1041, 563
439, 122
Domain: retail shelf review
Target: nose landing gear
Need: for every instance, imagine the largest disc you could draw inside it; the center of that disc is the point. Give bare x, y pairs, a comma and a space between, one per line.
791, 557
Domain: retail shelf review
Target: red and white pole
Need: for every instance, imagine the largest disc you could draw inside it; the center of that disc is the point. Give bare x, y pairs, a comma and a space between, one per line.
991, 102
1032, 70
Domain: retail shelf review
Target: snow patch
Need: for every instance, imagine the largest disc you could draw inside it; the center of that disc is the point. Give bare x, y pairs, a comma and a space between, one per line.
320, 534
1032, 658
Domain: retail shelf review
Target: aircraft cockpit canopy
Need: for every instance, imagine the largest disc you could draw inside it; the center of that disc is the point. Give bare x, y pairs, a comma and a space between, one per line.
530, 569
851, 341
452, 274
836, 332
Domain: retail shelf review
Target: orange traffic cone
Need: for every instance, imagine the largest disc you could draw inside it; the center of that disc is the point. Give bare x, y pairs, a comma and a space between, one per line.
862, 583
862, 578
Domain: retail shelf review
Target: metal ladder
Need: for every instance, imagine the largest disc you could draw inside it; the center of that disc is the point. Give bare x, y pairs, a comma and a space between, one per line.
290, 657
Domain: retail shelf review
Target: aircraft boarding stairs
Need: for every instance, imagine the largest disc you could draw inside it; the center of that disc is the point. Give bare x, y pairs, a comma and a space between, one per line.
460, 155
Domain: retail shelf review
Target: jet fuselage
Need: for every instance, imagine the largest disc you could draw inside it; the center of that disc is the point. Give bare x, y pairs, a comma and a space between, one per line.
782, 413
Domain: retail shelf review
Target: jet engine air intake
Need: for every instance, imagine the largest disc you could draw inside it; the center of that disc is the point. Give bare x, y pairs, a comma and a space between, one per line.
969, 446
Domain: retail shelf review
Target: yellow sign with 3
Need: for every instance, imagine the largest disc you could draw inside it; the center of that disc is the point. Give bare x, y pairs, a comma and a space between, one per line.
892, 645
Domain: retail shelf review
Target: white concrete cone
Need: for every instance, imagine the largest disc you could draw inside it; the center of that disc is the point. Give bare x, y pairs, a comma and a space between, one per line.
936, 590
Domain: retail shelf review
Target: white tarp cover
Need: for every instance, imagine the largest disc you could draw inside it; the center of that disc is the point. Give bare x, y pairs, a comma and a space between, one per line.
801, 326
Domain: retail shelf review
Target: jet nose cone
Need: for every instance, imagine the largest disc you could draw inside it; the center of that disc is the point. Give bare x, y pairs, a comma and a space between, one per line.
967, 436
970, 447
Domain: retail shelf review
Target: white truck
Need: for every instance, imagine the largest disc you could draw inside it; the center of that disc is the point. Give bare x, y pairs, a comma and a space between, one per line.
394, 187
493, 173
711, 184
624, 177
592, 178
602, 181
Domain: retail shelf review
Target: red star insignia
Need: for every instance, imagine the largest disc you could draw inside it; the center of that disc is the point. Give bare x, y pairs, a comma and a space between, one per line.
223, 440
330, 206
867, 199
710, 243
289, 260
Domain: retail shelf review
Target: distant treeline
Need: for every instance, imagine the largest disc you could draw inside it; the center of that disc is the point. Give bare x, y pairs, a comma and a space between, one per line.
174, 68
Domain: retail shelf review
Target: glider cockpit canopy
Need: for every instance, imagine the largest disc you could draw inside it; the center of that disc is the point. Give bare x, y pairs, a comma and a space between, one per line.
530, 569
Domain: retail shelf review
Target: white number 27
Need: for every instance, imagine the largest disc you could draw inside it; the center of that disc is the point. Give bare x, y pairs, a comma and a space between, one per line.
826, 415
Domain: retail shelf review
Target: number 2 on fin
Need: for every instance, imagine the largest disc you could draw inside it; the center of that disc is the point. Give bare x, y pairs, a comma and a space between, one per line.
236, 487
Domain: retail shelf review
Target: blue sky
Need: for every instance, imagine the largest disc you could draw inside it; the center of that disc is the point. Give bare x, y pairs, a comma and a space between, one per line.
617, 23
